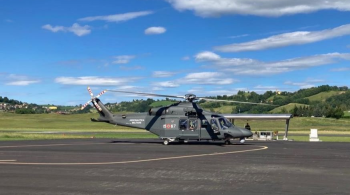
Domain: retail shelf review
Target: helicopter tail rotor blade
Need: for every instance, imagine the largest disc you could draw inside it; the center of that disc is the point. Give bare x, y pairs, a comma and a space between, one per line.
87, 103
102, 92
215, 100
90, 92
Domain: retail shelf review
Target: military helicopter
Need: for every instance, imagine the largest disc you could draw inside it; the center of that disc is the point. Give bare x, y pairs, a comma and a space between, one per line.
181, 121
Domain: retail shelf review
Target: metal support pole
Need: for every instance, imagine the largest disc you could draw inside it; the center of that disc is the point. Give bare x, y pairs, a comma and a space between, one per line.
286, 130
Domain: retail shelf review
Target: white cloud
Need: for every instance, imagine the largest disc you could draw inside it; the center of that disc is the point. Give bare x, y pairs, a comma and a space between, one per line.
199, 78
166, 84
340, 69
124, 59
243, 66
128, 87
79, 30
157, 88
286, 39
159, 74
206, 78
117, 17
270, 8
206, 56
75, 28
261, 87
155, 30
238, 36
22, 83
308, 83
92, 80
210, 56
20, 80
54, 29
131, 67
185, 58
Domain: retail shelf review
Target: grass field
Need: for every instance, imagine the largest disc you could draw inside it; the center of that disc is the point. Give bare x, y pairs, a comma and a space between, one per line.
41, 126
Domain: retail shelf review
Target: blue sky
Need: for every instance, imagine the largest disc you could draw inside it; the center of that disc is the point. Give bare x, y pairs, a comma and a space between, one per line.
51, 50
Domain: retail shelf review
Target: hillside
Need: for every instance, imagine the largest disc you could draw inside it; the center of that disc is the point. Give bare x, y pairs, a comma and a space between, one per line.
161, 103
324, 100
224, 109
288, 107
324, 95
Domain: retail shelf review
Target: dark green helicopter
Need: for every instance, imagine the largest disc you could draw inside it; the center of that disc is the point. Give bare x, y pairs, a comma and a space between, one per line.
181, 121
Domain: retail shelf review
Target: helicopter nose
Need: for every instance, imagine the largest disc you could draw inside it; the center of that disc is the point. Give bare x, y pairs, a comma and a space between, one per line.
246, 133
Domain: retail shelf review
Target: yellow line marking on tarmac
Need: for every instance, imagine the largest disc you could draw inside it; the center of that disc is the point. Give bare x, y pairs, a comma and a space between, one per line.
139, 161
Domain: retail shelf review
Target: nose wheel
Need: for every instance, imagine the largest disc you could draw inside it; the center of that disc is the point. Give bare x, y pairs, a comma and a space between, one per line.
227, 142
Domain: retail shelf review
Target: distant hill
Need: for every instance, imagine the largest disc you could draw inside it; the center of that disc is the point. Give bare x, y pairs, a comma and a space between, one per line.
287, 107
323, 100
324, 95
224, 109
161, 103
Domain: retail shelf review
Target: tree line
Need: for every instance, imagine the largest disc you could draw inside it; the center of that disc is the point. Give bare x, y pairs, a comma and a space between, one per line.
333, 106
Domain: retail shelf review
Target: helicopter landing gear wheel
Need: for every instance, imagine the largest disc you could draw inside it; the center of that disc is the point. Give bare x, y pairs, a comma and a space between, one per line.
227, 142
166, 142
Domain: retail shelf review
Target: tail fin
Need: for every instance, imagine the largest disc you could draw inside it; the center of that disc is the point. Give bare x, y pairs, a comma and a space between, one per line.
105, 114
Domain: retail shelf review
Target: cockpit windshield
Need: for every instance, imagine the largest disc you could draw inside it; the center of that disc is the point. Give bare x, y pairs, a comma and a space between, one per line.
224, 123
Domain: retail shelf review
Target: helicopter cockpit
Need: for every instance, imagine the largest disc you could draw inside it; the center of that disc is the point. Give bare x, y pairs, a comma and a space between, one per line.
221, 122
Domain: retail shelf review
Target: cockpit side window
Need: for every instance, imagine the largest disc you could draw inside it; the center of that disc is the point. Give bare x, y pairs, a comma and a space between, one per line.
214, 124
224, 123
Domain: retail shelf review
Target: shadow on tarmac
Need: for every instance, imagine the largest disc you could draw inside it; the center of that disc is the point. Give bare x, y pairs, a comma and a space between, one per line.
218, 143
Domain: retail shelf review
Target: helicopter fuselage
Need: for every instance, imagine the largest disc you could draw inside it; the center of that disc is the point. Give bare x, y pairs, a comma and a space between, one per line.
180, 121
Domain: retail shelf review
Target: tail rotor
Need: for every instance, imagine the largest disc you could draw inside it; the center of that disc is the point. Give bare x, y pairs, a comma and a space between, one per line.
93, 99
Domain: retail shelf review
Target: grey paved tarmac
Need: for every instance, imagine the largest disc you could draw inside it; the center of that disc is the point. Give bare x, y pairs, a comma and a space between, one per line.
145, 166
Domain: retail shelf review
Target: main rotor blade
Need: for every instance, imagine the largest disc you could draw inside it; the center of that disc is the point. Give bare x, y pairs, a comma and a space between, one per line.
147, 94
215, 100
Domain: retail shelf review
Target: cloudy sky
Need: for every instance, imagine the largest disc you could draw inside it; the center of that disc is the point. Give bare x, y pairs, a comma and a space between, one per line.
51, 50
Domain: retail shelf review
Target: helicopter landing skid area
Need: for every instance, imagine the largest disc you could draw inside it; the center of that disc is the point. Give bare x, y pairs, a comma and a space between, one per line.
146, 166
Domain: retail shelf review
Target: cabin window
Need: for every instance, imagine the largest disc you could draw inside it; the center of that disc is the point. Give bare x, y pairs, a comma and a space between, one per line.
183, 124
193, 124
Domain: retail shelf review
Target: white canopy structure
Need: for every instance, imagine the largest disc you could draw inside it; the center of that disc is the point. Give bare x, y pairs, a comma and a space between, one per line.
286, 117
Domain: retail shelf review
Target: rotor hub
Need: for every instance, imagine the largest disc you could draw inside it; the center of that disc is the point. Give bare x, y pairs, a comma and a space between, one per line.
190, 97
